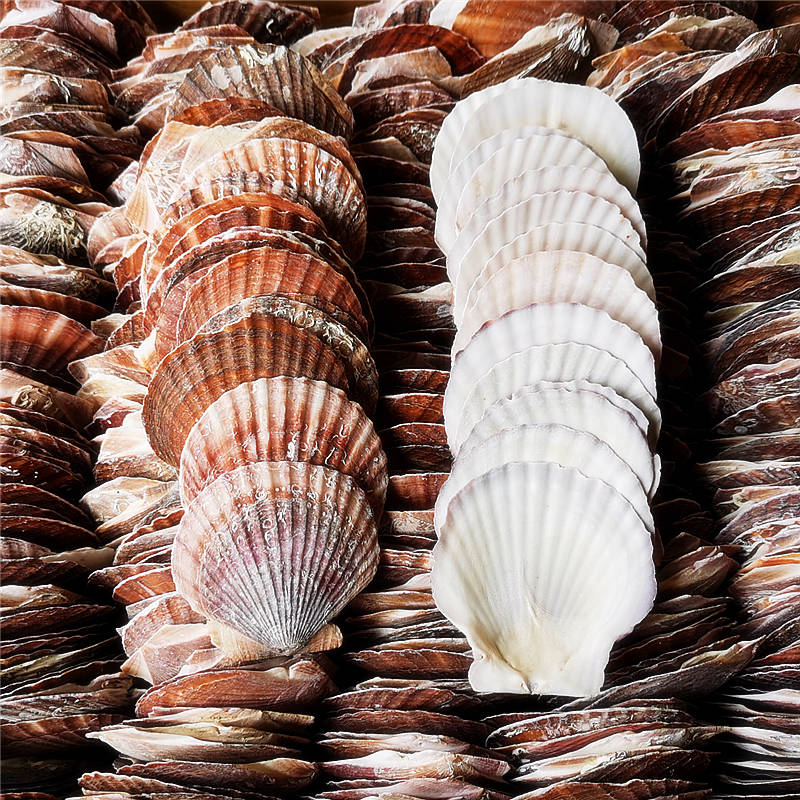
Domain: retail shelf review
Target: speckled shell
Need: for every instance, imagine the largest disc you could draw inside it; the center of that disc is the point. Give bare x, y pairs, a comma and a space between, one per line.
307, 529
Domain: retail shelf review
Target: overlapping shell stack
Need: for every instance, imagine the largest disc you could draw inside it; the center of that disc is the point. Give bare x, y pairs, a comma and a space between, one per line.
412, 726
237, 385
276, 260
61, 144
551, 399
725, 130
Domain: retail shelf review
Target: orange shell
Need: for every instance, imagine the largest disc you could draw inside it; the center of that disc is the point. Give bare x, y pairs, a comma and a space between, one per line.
43, 340
312, 176
284, 419
197, 372
262, 210
265, 271
361, 371
226, 111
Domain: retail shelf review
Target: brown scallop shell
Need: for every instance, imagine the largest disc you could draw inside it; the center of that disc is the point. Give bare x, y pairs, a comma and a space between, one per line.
284, 419
77, 457
275, 75
228, 111
260, 514
414, 490
140, 582
360, 368
410, 407
281, 686
261, 210
401, 38
51, 58
400, 720
264, 20
168, 609
281, 127
748, 82
254, 272
742, 209
73, 307
49, 504
47, 273
314, 176
372, 106
197, 372
51, 736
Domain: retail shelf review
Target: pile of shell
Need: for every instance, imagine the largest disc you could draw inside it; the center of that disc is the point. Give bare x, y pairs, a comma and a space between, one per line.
410, 728
60, 148
739, 172
550, 409
235, 394
727, 117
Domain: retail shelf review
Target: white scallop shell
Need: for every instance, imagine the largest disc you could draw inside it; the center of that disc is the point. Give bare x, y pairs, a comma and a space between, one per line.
506, 187
489, 229
547, 442
462, 169
580, 405
544, 324
575, 236
563, 361
560, 277
475, 180
584, 112
543, 569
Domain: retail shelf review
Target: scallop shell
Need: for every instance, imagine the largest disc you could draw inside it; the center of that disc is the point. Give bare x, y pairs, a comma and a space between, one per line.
227, 111
245, 210
280, 127
44, 341
275, 75
197, 372
564, 361
530, 101
490, 229
284, 419
547, 443
495, 27
545, 324
496, 159
250, 273
403, 38
583, 406
535, 636
574, 236
361, 371
516, 186
261, 18
309, 530
560, 277
313, 175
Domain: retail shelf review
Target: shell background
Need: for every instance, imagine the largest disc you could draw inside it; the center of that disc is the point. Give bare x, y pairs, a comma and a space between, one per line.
697, 700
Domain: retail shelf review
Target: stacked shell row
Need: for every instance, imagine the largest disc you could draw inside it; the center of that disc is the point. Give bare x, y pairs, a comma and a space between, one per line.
257, 326
728, 120
545, 550
738, 170
240, 376
60, 148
